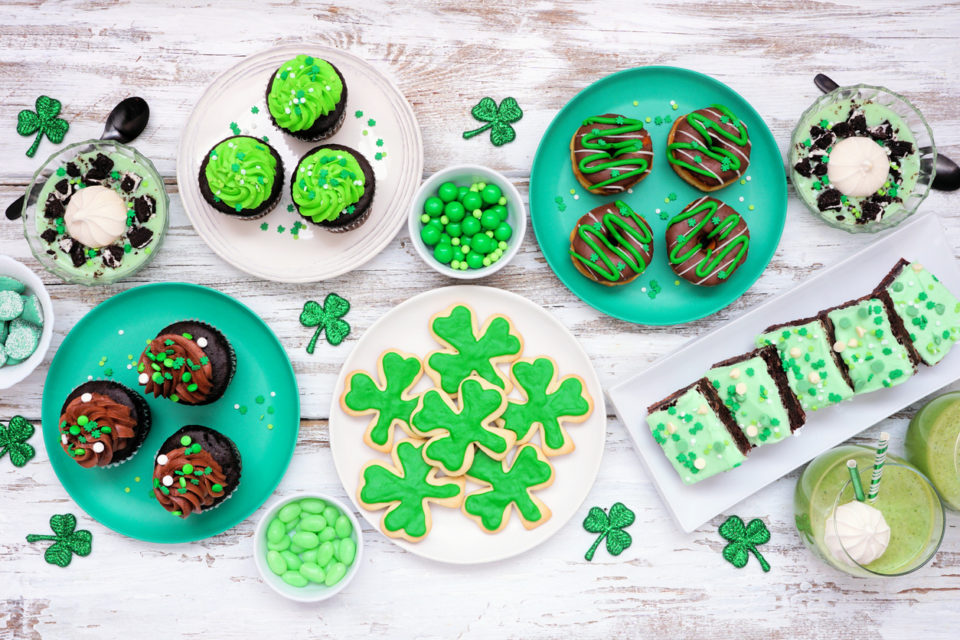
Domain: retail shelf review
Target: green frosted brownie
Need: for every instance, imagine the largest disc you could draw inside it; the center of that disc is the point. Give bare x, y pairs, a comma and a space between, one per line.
873, 353
754, 389
697, 434
929, 312
812, 367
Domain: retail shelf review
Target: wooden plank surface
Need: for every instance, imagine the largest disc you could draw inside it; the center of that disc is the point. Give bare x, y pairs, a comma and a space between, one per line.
445, 55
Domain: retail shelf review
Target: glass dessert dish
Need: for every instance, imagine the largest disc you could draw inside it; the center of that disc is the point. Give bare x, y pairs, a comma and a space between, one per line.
95, 212
862, 158
933, 445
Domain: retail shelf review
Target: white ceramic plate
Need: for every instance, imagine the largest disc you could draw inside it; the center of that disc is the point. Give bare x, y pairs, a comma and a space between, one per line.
316, 254
691, 506
454, 538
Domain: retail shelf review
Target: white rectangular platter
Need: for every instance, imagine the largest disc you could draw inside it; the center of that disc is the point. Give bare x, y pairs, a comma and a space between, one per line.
922, 240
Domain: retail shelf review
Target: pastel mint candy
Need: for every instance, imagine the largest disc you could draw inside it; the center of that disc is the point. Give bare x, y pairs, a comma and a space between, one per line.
310, 555
279, 546
343, 527
293, 560
327, 534
306, 539
290, 512
324, 553
330, 514
22, 340
296, 548
313, 505
312, 572
11, 305
335, 574
3, 355
292, 524
11, 284
4, 330
294, 579
346, 551
276, 531
32, 311
276, 563
315, 523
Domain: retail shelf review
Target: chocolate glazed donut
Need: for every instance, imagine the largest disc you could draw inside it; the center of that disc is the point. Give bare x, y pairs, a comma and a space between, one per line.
611, 244
610, 153
707, 241
709, 148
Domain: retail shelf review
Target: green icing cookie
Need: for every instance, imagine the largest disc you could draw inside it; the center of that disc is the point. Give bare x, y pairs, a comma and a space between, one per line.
872, 353
693, 438
930, 313
490, 507
326, 183
390, 402
303, 89
241, 172
11, 284
812, 372
752, 396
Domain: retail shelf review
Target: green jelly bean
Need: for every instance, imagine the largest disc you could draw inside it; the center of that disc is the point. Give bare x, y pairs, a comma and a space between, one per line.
313, 505
343, 527
292, 525
335, 574
276, 563
313, 523
324, 553
280, 546
296, 548
347, 551
293, 560
309, 556
330, 514
306, 539
327, 534
312, 572
275, 531
289, 512
294, 579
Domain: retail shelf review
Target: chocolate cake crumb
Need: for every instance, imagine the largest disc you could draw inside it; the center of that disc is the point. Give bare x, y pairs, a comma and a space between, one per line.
63, 186
803, 168
871, 211
73, 170
829, 199
899, 148
99, 169
883, 131
139, 236
144, 206
112, 256
858, 123
54, 208
78, 255
820, 169
842, 130
49, 235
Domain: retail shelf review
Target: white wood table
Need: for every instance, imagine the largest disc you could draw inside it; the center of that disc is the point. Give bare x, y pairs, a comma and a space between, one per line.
445, 55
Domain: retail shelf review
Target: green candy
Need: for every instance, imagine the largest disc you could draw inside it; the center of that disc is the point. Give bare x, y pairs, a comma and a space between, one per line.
470, 226
290, 512
324, 553
501, 212
335, 574
313, 523
474, 260
292, 524
293, 560
296, 548
472, 200
305, 539
312, 572
11, 284
309, 556
482, 244
280, 546
430, 235
22, 340
454, 229
454, 211
433, 206
32, 312
3, 331
443, 253
11, 305
489, 220
491, 194
276, 562
294, 579
503, 232
327, 534
276, 531
462, 192
448, 192
343, 527
313, 505
347, 551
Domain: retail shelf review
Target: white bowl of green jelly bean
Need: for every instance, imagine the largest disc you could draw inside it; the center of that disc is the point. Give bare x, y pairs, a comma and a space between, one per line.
467, 221
307, 547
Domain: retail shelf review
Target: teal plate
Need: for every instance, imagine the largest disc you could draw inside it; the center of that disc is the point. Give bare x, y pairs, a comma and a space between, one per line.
264, 427
658, 296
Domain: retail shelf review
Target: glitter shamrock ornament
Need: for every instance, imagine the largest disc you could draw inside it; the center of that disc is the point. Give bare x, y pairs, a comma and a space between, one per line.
743, 540
42, 122
498, 119
13, 441
326, 318
68, 540
610, 526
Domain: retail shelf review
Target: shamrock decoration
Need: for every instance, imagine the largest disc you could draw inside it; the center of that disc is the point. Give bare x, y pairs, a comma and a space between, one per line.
68, 540
13, 440
498, 120
490, 507
743, 539
609, 526
44, 121
326, 318
389, 403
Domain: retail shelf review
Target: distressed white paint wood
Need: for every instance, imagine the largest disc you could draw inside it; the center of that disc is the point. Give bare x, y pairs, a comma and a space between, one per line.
445, 55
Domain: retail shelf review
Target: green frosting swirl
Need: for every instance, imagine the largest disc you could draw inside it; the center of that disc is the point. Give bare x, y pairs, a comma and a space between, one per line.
328, 183
240, 172
303, 89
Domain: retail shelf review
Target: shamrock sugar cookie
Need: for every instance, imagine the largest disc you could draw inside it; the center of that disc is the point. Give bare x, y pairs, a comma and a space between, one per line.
390, 401
509, 485
548, 403
406, 491
455, 435
470, 351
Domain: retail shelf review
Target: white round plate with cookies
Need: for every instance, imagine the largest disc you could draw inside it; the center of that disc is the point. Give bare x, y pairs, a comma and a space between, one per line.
453, 537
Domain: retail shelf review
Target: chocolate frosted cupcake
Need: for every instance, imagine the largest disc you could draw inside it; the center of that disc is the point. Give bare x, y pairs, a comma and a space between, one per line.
242, 176
307, 97
103, 423
196, 469
188, 362
333, 187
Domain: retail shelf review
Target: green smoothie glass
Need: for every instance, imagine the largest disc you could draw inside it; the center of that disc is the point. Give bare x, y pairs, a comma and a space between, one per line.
908, 502
933, 445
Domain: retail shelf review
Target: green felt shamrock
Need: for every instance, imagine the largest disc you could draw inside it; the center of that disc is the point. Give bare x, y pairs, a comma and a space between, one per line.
326, 318
67, 540
609, 526
13, 440
44, 121
744, 539
498, 120
491, 507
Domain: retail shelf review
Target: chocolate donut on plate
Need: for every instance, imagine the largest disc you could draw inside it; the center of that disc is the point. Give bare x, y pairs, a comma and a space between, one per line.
707, 242
709, 148
610, 153
611, 244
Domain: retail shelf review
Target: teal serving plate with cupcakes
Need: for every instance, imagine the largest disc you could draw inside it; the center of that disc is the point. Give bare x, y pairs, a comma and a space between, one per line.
644, 151
212, 457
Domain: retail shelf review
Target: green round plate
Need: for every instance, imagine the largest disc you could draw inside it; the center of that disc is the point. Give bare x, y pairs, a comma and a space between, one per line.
557, 200
264, 427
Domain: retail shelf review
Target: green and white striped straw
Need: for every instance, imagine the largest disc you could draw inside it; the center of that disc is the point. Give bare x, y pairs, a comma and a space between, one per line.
878, 466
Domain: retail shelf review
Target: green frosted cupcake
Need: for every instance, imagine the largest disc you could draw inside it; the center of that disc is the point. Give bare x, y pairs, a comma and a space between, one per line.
242, 176
333, 187
306, 98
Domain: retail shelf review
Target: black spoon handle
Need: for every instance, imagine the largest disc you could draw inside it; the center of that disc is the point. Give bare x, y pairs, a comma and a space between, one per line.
15, 209
824, 83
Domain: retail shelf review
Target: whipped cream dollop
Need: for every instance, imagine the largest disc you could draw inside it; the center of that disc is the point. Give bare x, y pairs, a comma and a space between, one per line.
857, 531
96, 216
858, 166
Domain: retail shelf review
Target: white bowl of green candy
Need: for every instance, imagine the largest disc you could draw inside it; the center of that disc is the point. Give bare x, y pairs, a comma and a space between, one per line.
26, 321
307, 547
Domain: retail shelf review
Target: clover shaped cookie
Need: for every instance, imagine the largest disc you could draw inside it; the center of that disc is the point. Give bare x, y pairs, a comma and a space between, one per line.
471, 351
390, 402
455, 435
508, 485
406, 491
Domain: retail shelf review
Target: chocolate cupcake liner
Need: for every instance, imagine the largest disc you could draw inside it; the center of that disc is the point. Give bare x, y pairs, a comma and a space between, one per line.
265, 207
231, 354
173, 441
350, 226
143, 424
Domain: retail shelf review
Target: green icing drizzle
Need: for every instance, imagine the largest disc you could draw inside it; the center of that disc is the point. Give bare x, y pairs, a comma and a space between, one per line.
599, 140
303, 89
713, 259
626, 235
930, 313
714, 134
241, 172
868, 347
752, 396
327, 182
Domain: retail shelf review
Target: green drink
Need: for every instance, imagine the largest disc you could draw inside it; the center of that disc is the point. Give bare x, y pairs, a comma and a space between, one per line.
907, 501
933, 445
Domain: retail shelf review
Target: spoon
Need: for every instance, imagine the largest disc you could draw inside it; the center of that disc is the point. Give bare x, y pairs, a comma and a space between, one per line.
947, 177
127, 121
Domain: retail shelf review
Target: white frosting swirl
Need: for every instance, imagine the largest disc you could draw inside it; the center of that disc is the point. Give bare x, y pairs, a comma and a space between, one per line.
857, 531
858, 166
96, 216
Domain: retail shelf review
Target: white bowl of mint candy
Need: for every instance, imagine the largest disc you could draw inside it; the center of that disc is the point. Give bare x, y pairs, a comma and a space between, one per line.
26, 321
